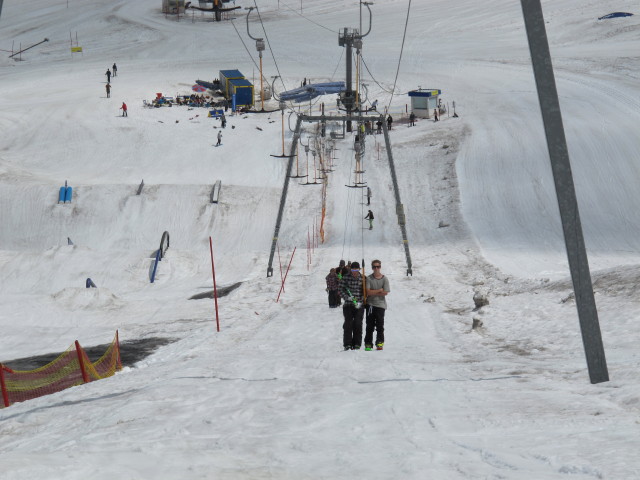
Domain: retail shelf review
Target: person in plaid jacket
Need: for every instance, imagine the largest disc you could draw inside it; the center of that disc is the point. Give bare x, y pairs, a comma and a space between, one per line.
351, 290
332, 288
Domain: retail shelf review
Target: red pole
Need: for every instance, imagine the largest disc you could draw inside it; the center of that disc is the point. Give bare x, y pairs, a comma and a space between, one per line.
215, 290
85, 377
118, 350
285, 275
279, 261
5, 394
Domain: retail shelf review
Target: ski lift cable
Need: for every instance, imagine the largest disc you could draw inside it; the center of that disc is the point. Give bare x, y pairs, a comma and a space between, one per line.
378, 83
346, 230
351, 211
245, 45
308, 19
339, 63
404, 36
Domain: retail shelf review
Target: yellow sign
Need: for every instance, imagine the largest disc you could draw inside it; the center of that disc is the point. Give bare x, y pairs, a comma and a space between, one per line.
76, 49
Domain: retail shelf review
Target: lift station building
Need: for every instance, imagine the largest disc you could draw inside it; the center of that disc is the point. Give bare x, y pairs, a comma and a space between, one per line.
424, 101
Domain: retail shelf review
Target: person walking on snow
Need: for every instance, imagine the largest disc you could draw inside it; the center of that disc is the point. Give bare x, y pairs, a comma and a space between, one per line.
108, 88
351, 290
389, 122
124, 109
370, 218
377, 290
108, 75
412, 119
115, 70
435, 115
219, 138
332, 289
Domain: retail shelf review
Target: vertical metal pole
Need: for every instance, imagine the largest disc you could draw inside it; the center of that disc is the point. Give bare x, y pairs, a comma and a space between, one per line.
282, 115
565, 190
262, 90
349, 91
283, 197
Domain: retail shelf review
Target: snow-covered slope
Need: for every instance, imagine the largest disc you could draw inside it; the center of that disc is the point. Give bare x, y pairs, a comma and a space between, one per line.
272, 395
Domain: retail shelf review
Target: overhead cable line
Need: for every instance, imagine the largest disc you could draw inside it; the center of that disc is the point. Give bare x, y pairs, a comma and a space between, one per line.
378, 83
245, 45
308, 19
338, 65
404, 36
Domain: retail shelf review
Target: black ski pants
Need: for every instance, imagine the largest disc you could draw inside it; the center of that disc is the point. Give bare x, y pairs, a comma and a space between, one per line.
334, 298
375, 321
352, 336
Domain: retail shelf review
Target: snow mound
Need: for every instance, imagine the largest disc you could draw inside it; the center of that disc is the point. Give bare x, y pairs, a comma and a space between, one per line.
87, 299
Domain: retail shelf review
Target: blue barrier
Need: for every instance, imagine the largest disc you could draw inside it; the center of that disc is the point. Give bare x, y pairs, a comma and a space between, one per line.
155, 266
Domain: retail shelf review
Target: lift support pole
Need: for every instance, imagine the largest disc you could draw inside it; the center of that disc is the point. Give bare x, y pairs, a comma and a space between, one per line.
25, 49
565, 190
283, 198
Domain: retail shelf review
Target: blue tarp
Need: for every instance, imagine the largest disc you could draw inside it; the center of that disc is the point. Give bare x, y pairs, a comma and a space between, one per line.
615, 15
209, 85
312, 90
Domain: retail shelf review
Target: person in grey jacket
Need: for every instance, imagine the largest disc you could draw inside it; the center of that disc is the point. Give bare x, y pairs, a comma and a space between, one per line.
377, 291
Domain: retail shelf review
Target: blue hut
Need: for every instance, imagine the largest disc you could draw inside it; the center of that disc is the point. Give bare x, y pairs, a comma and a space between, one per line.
243, 90
225, 77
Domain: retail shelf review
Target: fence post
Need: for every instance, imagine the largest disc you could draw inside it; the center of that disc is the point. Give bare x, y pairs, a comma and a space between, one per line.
118, 351
285, 275
85, 377
5, 394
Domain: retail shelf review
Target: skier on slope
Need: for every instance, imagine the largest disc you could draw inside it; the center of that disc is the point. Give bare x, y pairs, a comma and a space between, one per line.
370, 218
124, 110
219, 138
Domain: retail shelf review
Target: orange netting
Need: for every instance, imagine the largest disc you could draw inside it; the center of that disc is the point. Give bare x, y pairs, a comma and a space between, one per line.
72, 367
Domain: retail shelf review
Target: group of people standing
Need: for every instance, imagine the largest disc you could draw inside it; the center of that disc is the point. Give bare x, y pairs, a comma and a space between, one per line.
113, 72
362, 296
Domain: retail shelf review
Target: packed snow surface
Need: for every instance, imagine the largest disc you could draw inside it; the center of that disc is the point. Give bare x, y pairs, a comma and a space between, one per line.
272, 395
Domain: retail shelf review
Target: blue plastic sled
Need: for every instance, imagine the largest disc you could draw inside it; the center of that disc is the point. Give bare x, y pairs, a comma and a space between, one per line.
68, 194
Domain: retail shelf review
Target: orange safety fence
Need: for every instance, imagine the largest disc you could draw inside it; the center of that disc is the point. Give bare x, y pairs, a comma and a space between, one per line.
72, 367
